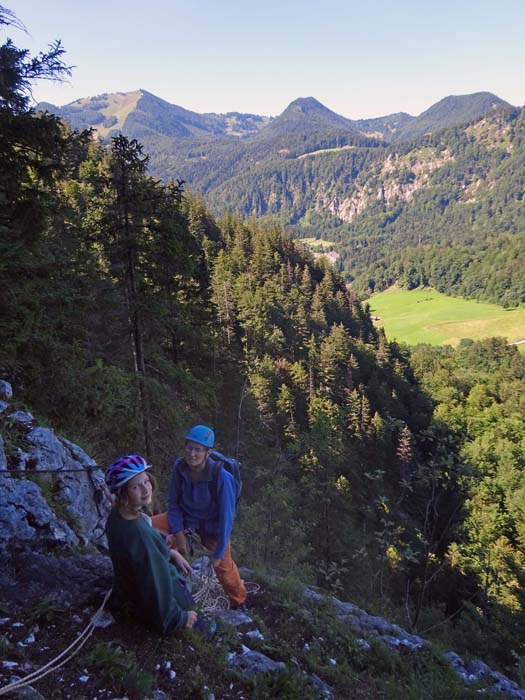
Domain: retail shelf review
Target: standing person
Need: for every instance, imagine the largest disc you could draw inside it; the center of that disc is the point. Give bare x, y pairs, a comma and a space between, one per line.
201, 498
147, 581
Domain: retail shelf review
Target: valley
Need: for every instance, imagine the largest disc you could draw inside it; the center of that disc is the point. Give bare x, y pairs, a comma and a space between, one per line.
424, 315
432, 200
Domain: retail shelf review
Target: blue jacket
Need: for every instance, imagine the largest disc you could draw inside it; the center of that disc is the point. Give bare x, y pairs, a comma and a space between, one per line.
191, 504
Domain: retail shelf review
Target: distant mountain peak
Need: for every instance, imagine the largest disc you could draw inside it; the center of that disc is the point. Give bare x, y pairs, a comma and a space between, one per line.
472, 103
307, 114
307, 104
451, 111
310, 106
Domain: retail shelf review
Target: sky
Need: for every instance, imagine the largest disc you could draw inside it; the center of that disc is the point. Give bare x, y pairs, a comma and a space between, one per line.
360, 58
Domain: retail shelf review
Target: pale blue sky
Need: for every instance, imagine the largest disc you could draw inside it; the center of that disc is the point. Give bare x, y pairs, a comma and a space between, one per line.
360, 58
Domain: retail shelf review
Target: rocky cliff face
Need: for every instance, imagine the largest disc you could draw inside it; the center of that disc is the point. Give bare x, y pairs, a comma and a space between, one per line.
53, 494
397, 180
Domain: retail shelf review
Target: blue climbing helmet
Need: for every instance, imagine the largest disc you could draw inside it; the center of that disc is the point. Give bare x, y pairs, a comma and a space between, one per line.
124, 469
202, 435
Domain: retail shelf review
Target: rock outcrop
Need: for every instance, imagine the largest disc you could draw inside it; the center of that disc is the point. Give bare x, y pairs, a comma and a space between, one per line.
53, 494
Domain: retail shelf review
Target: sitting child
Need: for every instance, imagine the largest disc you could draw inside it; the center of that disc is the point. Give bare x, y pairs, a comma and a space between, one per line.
147, 580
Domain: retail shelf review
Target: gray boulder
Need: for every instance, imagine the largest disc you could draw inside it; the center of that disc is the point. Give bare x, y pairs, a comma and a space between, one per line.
67, 506
26, 517
233, 618
23, 418
6, 390
26, 692
361, 622
324, 690
71, 581
250, 663
77, 482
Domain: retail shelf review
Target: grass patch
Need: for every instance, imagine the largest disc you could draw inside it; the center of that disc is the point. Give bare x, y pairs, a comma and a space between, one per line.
325, 150
426, 316
118, 667
315, 242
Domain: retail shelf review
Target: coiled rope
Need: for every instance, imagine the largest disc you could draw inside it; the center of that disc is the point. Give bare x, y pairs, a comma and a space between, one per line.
206, 589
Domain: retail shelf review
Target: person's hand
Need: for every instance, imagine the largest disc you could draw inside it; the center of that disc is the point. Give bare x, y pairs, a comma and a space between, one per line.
169, 540
180, 562
216, 562
192, 619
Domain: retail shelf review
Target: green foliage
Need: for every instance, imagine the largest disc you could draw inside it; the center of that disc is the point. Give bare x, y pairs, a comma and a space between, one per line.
45, 611
331, 575
107, 300
286, 685
118, 667
477, 389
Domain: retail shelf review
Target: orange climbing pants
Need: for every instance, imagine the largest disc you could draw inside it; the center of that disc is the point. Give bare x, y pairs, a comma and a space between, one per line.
227, 571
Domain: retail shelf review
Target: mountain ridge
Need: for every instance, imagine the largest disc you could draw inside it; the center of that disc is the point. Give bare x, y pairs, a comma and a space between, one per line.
140, 112
373, 188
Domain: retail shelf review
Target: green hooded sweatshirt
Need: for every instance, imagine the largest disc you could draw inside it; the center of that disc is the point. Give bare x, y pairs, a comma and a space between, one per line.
145, 580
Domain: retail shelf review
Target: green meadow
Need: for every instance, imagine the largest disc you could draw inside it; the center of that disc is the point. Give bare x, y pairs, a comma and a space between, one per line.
325, 150
426, 316
315, 242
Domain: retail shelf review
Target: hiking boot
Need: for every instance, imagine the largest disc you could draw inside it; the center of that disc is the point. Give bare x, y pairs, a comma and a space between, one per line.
205, 627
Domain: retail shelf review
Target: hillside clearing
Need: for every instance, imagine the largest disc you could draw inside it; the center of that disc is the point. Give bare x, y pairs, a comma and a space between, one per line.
320, 151
426, 316
316, 242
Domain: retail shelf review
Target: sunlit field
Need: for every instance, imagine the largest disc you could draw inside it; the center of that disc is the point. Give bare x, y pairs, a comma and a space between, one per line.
426, 316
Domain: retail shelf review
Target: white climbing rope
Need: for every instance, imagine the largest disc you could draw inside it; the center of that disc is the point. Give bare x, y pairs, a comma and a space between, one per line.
69, 653
209, 595
206, 589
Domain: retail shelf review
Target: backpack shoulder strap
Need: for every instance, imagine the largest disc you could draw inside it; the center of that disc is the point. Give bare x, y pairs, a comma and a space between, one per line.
177, 474
217, 468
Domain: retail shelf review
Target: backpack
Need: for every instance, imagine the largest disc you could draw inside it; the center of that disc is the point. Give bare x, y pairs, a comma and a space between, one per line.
231, 465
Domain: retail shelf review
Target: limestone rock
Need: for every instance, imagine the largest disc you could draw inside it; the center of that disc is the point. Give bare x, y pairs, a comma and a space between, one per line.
23, 418
26, 517
6, 390
324, 690
71, 581
77, 481
253, 662
26, 692
234, 618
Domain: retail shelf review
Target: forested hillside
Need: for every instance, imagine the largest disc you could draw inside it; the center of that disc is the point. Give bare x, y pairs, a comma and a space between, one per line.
129, 311
437, 208
445, 210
